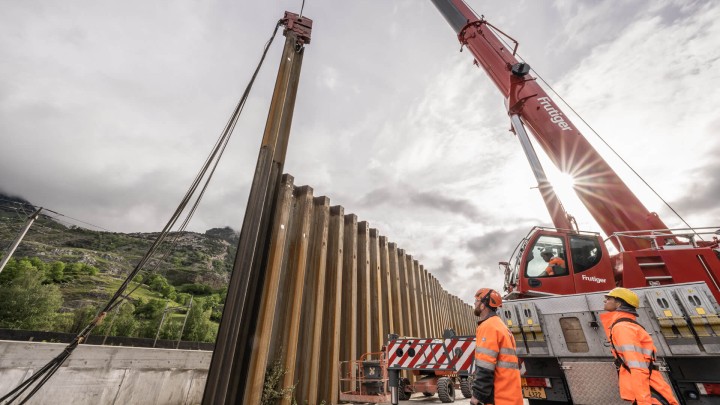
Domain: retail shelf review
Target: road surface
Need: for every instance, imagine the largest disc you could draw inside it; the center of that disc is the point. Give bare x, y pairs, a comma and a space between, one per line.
421, 399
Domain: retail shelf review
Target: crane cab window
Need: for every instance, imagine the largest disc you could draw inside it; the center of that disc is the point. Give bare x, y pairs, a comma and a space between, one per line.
546, 258
585, 252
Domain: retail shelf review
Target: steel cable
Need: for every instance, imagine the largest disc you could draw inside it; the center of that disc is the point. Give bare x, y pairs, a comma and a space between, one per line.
39, 378
603, 141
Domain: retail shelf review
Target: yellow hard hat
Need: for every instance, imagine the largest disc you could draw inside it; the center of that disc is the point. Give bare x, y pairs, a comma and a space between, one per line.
626, 295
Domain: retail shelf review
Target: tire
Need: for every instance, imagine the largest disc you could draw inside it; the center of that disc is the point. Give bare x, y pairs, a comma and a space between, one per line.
402, 386
466, 387
446, 390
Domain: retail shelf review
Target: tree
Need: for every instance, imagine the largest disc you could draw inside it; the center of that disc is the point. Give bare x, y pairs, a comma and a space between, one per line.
125, 324
150, 313
198, 326
196, 289
38, 264
74, 269
182, 298
13, 268
171, 329
149, 310
56, 273
81, 318
90, 270
25, 303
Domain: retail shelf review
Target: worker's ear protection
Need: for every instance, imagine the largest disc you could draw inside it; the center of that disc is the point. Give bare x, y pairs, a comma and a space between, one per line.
486, 299
489, 297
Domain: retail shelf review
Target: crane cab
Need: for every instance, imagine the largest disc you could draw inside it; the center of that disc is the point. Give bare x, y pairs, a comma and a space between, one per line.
551, 261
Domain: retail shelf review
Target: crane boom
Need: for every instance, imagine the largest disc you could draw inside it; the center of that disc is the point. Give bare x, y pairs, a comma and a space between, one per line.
604, 194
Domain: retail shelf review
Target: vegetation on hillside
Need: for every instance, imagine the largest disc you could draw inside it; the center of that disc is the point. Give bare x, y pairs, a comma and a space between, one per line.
61, 276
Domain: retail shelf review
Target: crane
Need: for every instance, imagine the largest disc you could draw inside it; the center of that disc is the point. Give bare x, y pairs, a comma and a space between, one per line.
649, 253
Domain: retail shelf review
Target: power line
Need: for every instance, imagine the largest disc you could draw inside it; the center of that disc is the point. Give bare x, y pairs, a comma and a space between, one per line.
78, 220
24, 206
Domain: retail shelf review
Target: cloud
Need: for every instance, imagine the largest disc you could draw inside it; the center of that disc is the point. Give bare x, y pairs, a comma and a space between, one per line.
487, 248
404, 196
446, 272
107, 110
655, 115
703, 193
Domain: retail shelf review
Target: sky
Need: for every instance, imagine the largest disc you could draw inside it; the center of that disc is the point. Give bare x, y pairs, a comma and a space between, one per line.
108, 110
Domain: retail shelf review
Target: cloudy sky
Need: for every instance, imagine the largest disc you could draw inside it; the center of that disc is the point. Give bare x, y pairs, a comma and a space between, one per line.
108, 109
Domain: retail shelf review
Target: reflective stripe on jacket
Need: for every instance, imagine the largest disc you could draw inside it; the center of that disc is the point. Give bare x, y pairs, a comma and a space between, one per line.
497, 374
635, 348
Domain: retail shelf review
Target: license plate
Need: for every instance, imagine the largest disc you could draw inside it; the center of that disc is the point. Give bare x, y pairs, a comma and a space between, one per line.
534, 392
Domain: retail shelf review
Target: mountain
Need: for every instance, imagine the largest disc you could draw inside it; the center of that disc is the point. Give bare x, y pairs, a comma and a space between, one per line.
186, 258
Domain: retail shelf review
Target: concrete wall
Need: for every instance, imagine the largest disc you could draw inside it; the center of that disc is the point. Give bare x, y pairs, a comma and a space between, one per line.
108, 374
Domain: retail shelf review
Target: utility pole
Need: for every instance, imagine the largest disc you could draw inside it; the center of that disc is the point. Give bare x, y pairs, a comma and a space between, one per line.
117, 312
165, 311
230, 364
185, 321
20, 237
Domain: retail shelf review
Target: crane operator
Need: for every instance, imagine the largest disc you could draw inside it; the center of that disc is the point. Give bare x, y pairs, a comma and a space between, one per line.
556, 265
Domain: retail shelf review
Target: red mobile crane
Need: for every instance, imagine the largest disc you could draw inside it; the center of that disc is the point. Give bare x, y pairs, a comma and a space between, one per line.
552, 310
649, 252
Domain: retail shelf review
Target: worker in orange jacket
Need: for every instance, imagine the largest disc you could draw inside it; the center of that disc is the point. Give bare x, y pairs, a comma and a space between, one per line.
634, 351
556, 265
497, 374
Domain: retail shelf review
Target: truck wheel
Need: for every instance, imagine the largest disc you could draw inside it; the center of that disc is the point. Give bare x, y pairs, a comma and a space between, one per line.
402, 386
446, 389
466, 387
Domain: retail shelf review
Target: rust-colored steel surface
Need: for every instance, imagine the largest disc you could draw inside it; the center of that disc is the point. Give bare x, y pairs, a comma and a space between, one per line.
312, 286
235, 347
334, 288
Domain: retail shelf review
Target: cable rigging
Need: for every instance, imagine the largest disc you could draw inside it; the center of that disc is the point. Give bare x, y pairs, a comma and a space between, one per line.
601, 138
40, 377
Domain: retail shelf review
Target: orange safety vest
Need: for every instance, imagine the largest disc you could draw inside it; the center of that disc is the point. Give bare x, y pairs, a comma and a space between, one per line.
555, 261
635, 351
496, 363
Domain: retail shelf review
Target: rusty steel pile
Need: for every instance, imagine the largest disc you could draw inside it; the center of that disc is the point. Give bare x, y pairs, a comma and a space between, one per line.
334, 289
312, 286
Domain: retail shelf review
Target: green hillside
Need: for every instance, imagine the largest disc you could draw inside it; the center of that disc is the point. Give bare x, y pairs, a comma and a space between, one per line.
79, 269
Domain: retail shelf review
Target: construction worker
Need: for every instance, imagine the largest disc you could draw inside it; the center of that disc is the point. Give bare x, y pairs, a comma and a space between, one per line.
497, 374
634, 351
556, 265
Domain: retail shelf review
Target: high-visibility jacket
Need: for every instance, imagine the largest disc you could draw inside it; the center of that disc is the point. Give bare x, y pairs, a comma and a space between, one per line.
635, 351
555, 265
497, 374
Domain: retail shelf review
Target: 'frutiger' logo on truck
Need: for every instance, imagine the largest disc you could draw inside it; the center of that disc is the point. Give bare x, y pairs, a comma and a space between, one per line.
593, 279
555, 115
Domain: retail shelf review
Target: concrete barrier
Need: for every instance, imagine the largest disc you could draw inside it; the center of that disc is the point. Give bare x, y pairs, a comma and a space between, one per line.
108, 374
